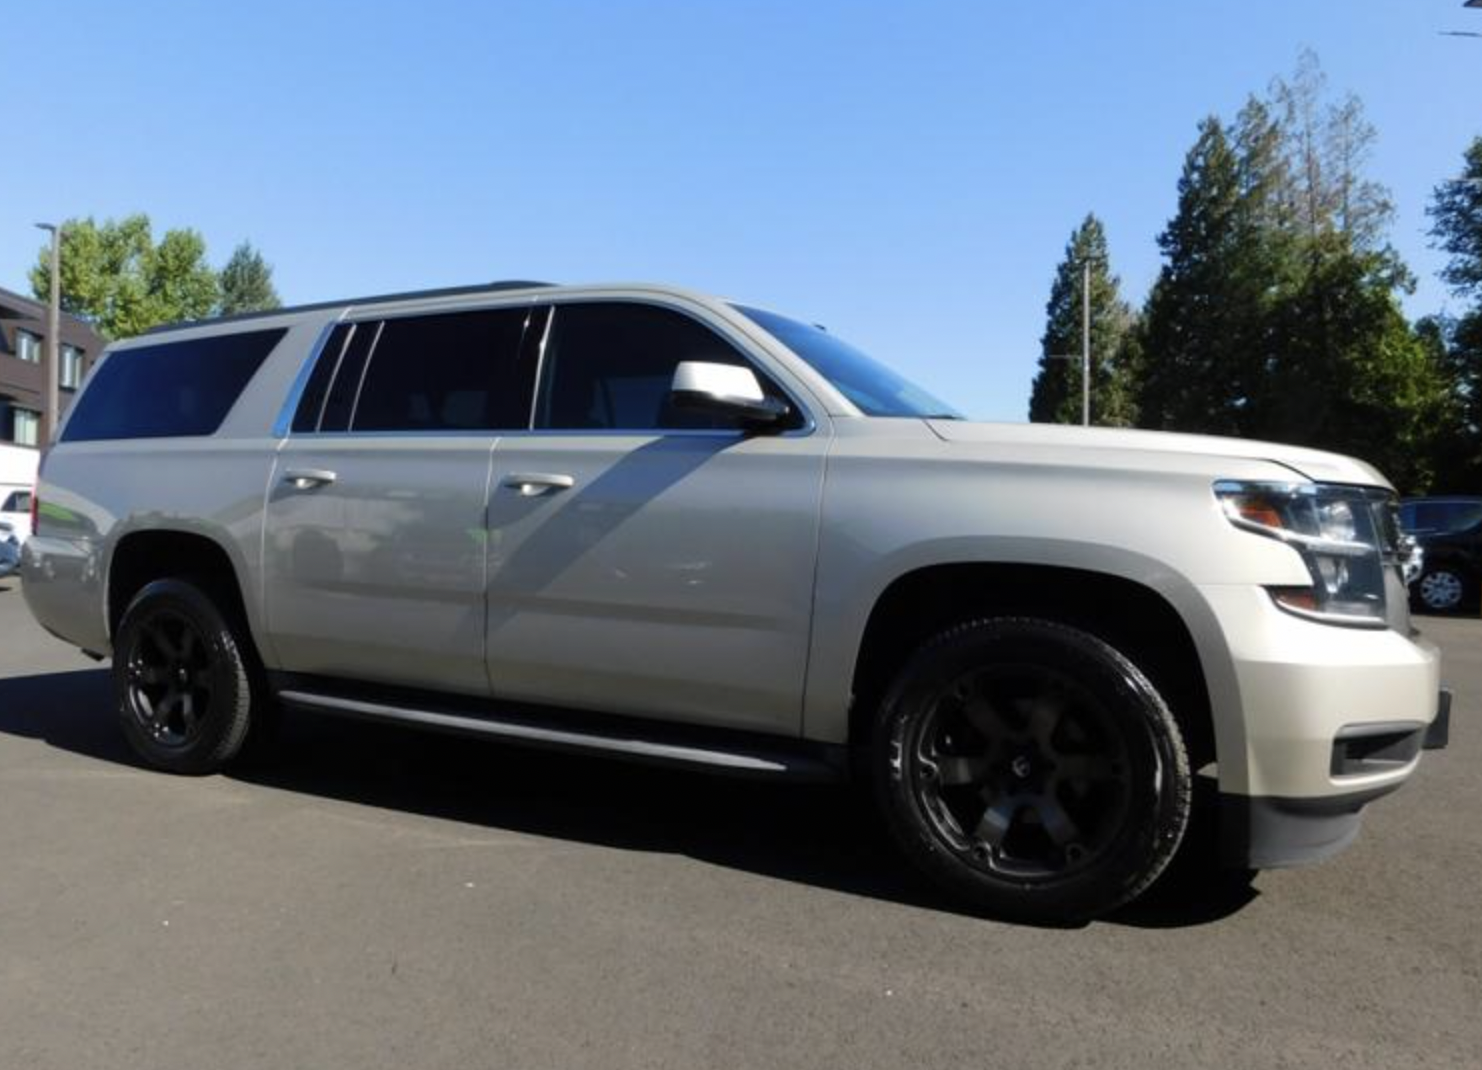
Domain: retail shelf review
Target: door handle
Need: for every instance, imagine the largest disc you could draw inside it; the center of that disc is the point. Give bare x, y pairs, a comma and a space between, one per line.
530, 484
308, 478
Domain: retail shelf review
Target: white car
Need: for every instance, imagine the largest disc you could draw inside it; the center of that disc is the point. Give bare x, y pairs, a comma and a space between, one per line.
15, 511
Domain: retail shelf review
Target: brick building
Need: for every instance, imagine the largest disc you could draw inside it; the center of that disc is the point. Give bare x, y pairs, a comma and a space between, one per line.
22, 376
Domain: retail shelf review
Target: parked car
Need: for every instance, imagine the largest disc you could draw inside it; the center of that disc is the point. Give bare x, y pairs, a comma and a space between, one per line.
10, 549
1449, 534
651, 524
15, 510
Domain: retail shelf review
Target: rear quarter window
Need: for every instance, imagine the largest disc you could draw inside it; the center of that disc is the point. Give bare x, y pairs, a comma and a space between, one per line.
170, 389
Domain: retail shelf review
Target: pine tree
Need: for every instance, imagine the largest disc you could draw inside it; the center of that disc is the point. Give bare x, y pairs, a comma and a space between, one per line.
1205, 328
1056, 394
247, 283
1276, 314
1346, 370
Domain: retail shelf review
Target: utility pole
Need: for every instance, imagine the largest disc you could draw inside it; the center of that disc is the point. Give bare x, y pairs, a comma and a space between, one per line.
1085, 342
51, 353
1085, 354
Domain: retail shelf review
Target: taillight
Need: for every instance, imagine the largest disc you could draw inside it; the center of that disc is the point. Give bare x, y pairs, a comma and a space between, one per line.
35, 504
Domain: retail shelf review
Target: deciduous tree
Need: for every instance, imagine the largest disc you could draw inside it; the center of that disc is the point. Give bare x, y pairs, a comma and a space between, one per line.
116, 277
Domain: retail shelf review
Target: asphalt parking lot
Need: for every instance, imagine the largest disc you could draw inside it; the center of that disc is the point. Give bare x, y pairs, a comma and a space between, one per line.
376, 898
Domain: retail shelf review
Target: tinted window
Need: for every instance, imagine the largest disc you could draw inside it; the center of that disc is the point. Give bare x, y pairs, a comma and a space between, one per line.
611, 366
874, 388
454, 372
18, 502
169, 389
349, 372
1446, 516
311, 404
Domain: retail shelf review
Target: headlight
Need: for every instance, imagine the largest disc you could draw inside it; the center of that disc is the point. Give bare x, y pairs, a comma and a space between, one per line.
1347, 536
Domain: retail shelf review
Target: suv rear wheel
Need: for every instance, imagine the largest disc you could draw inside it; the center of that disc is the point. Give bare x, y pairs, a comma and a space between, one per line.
182, 679
1031, 769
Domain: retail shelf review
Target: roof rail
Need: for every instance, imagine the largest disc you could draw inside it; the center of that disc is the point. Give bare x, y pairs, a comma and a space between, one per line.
376, 299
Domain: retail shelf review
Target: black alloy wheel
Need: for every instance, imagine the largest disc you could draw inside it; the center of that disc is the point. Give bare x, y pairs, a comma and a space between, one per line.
1032, 770
1022, 770
169, 678
182, 680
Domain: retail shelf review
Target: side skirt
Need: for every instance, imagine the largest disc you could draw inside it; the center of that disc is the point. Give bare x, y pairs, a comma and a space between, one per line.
720, 751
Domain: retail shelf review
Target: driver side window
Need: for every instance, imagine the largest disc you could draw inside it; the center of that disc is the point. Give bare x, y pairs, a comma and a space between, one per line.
609, 366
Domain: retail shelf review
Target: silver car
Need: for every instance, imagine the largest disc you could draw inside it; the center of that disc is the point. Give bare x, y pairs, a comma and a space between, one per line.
643, 522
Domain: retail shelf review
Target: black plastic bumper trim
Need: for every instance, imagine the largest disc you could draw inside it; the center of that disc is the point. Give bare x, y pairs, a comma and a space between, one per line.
1269, 832
1438, 735
1376, 747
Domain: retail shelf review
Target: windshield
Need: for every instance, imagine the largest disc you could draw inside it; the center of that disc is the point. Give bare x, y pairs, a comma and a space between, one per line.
874, 389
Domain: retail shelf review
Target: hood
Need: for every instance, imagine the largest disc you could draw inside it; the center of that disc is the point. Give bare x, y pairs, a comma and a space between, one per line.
1316, 465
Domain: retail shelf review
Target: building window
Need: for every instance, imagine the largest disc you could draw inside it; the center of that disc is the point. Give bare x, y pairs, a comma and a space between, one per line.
69, 376
28, 346
27, 427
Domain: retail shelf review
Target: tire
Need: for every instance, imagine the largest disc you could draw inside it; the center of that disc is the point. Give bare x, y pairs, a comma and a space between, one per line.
1442, 590
183, 680
1031, 770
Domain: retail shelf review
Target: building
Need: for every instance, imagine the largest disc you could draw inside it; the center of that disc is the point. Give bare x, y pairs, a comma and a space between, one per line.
22, 375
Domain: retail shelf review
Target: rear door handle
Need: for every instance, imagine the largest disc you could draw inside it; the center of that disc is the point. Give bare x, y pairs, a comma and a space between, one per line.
529, 484
308, 478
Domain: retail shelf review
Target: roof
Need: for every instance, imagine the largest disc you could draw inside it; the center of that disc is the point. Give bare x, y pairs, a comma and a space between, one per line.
410, 295
29, 308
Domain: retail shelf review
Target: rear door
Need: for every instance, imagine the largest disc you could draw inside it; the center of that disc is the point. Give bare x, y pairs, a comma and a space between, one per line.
645, 559
375, 564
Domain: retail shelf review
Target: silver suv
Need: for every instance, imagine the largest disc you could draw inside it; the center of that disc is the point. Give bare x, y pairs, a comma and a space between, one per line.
652, 524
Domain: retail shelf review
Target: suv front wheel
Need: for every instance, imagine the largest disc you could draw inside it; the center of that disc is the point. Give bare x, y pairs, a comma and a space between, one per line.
1031, 769
182, 679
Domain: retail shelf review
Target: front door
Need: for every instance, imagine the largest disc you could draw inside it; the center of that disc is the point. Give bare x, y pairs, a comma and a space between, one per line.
643, 559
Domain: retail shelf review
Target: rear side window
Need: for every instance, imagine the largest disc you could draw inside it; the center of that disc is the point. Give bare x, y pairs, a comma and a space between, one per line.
311, 404
170, 389
451, 372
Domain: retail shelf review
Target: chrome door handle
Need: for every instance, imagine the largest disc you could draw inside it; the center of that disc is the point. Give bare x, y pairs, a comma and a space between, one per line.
308, 478
529, 484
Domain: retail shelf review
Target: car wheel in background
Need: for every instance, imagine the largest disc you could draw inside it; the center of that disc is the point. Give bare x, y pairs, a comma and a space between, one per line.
1441, 590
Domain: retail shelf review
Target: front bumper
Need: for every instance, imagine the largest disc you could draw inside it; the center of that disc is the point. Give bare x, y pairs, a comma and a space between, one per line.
1267, 832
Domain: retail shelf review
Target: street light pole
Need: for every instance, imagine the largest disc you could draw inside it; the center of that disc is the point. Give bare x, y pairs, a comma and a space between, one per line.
50, 354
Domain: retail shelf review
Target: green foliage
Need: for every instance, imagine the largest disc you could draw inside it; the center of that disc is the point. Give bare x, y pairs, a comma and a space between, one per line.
1350, 374
247, 283
1056, 394
1456, 215
115, 276
1455, 347
1205, 329
1277, 314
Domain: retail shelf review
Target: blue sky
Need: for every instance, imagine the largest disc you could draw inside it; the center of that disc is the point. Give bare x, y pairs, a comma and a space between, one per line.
906, 174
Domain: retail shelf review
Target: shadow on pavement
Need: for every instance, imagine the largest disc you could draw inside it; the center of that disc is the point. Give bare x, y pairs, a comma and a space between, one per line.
821, 836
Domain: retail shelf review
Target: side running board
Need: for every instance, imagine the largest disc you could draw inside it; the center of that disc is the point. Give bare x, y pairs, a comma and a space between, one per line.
733, 756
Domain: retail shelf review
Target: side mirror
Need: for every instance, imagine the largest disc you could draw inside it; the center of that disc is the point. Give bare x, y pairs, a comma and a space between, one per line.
726, 389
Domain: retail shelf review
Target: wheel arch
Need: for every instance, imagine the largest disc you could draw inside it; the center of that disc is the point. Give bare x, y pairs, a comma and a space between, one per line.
1153, 615
142, 555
